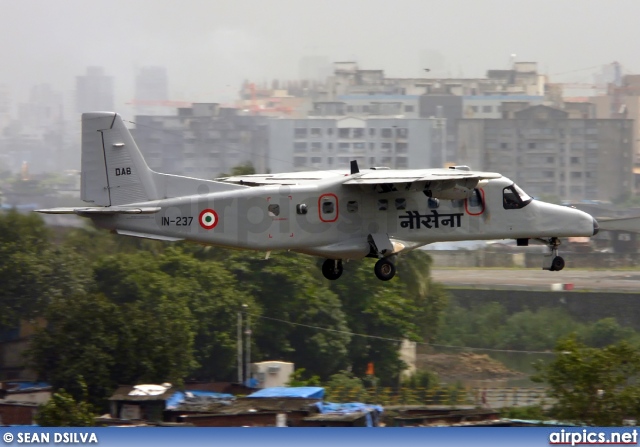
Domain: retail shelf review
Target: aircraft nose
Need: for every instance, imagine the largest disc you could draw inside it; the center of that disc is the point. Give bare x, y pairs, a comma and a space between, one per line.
596, 227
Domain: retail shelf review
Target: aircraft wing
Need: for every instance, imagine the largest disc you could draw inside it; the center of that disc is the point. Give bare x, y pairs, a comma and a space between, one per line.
448, 184
417, 175
285, 178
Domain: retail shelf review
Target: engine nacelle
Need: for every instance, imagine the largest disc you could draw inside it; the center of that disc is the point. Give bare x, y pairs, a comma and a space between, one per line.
451, 189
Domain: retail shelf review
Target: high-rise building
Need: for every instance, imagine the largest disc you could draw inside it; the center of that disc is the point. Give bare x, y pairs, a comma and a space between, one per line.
549, 153
94, 91
151, 91
202, 141
332, 137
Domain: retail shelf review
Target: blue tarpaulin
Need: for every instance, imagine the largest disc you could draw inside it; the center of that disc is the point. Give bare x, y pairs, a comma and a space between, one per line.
373, 412
179, 397
23, 385
308, 392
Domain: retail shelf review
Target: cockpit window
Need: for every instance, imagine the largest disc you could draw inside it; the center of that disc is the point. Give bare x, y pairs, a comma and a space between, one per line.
514, 198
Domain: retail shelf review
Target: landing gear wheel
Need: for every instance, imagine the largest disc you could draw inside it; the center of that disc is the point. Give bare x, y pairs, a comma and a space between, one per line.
332, 269
557, 264
385, 269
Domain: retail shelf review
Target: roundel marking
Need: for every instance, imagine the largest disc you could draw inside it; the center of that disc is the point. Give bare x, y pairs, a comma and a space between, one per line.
208, 219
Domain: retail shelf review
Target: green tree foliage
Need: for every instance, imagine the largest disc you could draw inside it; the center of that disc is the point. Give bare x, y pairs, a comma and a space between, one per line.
33, 271
606, 332
491, 326
537, 330
345, 386
426, 295
475, 327
595, 386
82, 338
302, 319
124, 310
384, 310
246, 168
300, 377
421, 379
93, 243
62, 410
214, 299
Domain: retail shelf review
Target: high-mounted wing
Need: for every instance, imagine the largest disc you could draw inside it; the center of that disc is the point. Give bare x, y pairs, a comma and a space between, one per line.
450, 184
285, 178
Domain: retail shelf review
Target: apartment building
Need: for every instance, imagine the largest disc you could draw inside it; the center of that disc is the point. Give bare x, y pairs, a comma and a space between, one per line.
548, 153
330, 142
202, 141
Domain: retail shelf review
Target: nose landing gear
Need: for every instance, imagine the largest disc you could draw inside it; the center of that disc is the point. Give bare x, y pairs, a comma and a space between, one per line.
552, 261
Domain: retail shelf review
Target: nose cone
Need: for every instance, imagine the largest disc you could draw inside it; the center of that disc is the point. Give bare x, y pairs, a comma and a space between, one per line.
596, 227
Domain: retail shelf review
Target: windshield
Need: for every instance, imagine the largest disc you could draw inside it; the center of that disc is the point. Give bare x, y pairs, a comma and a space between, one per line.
513, 197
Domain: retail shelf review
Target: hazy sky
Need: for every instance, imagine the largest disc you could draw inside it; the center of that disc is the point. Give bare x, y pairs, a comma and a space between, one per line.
210, 46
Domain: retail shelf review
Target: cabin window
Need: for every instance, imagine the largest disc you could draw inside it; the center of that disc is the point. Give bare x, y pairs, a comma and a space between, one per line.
352, 206
328, 207
401, 204
433, 203
383, 204
514, 198
274, 210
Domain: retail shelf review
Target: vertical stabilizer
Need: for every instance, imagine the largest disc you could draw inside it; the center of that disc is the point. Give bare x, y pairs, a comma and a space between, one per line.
113, 170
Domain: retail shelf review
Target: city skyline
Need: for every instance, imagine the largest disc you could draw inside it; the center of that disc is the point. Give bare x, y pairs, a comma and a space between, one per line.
209, 49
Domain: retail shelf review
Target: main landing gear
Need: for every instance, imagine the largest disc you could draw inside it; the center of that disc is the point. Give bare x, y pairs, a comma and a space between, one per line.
552, 261
384, 269
332, 269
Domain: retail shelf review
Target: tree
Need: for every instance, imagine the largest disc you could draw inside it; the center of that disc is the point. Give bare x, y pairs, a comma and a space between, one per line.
32, 270
214, 299
428, 296
302, 320
62, 410
245, 168
300, 377
605, 332
345, 386
382, 313
81, 339
539, 330
590, 385
475, 327
158, 323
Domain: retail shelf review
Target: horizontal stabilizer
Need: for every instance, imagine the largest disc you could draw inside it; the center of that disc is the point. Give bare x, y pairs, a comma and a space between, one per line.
156, 237
629, 224
103, 210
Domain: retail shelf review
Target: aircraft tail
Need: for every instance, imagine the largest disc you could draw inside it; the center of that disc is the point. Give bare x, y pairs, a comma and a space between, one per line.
113, 169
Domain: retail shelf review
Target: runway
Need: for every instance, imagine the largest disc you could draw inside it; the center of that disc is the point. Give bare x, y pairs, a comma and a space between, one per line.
538, 279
